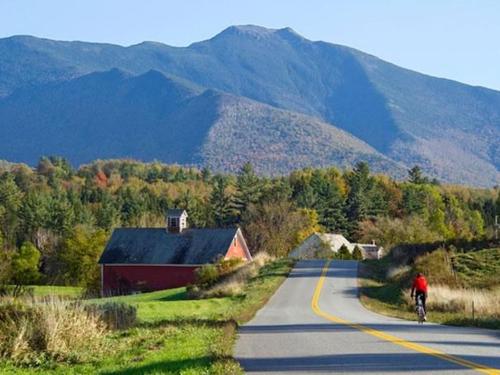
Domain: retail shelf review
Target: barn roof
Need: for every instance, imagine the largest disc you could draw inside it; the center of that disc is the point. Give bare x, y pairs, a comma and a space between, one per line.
157, 246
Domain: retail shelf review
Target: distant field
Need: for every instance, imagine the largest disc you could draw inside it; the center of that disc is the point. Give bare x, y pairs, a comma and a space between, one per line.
175, 335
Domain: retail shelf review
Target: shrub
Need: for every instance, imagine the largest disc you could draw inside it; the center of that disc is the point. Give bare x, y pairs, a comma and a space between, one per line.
116, 315
225, 266
262, 258
54, 329
25, 264
207, 274
233, 283
357, 254
344, 253
226, 288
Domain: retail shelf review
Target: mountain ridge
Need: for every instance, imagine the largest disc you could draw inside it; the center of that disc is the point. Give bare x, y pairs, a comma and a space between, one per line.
173, 123
409, 117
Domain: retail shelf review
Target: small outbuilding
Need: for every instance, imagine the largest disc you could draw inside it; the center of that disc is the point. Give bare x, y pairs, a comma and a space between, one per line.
147, 259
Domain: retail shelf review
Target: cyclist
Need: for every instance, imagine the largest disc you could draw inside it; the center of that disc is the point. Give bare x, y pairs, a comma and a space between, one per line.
419, 289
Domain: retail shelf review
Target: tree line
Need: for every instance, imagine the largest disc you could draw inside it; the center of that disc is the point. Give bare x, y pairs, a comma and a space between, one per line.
55, 220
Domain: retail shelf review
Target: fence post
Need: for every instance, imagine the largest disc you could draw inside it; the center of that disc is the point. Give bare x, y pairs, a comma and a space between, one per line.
473, 312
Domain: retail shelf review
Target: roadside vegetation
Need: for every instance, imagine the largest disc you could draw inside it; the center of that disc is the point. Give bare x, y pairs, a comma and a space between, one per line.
165, 331
464, 285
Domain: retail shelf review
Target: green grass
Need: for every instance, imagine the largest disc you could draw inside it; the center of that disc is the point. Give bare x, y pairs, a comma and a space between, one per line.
59, 291
480, 269
175, 335
53, 290
184, 348
172, 305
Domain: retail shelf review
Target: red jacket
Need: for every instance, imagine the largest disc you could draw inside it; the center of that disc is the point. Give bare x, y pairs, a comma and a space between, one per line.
419, 284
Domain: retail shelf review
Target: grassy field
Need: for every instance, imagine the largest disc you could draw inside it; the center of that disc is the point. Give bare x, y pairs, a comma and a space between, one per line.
469, 276
480, 269
175, 335
59, 291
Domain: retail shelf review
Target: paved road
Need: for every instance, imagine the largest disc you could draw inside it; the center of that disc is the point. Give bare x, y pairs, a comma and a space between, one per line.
340, 336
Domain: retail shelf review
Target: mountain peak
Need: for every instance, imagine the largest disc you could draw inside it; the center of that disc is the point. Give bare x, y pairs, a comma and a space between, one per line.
257, 32
247, 29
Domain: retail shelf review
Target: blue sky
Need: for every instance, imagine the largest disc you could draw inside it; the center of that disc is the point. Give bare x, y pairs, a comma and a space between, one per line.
457, 39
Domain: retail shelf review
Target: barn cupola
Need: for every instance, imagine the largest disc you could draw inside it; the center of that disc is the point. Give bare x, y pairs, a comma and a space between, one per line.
176, 220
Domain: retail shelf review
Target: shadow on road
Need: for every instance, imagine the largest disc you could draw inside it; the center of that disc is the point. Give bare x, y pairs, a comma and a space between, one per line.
388, 328
356, 363
314, 268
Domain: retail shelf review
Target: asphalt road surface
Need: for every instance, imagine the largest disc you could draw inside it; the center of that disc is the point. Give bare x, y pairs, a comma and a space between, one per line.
315, 324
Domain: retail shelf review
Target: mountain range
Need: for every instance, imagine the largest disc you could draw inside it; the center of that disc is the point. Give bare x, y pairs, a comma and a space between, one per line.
266, 96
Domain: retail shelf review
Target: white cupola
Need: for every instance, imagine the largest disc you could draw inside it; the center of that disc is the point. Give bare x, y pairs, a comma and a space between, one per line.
176, 220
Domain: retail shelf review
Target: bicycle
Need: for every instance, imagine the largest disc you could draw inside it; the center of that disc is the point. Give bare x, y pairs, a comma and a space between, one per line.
419, 308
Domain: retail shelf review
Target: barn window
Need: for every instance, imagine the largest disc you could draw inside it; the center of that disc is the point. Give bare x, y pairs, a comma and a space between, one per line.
234, 242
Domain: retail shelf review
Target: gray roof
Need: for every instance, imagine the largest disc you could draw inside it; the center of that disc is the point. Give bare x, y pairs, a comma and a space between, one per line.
157, 246
175, 212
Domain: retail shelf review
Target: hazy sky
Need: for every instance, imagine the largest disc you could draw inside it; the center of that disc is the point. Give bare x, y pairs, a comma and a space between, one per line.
457, 39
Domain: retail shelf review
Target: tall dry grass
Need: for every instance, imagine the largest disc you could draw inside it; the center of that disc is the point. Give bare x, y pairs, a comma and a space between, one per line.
442, 298
235, 283
34, 330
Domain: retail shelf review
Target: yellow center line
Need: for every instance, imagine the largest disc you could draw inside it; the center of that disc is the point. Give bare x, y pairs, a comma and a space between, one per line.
393, 339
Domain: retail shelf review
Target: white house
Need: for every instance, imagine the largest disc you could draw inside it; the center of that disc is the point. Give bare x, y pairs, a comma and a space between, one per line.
334, 242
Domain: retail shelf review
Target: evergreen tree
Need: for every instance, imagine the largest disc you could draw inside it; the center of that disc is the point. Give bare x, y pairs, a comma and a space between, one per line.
221, 202
206, 174
280, 190
132, 206
357, 254
197, 210
154, 173
357, 199
330, 207
10, 201
248, 189
107, 214
414, 198
343, 253
5, 263
306, 197
83, 214
61, 214
34, 214
415, 176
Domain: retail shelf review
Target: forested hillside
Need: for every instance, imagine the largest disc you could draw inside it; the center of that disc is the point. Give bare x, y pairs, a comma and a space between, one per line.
150, 116
55, 220
451, 130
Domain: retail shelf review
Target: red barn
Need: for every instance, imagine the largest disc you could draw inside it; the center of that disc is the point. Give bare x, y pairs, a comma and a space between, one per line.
146, 259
